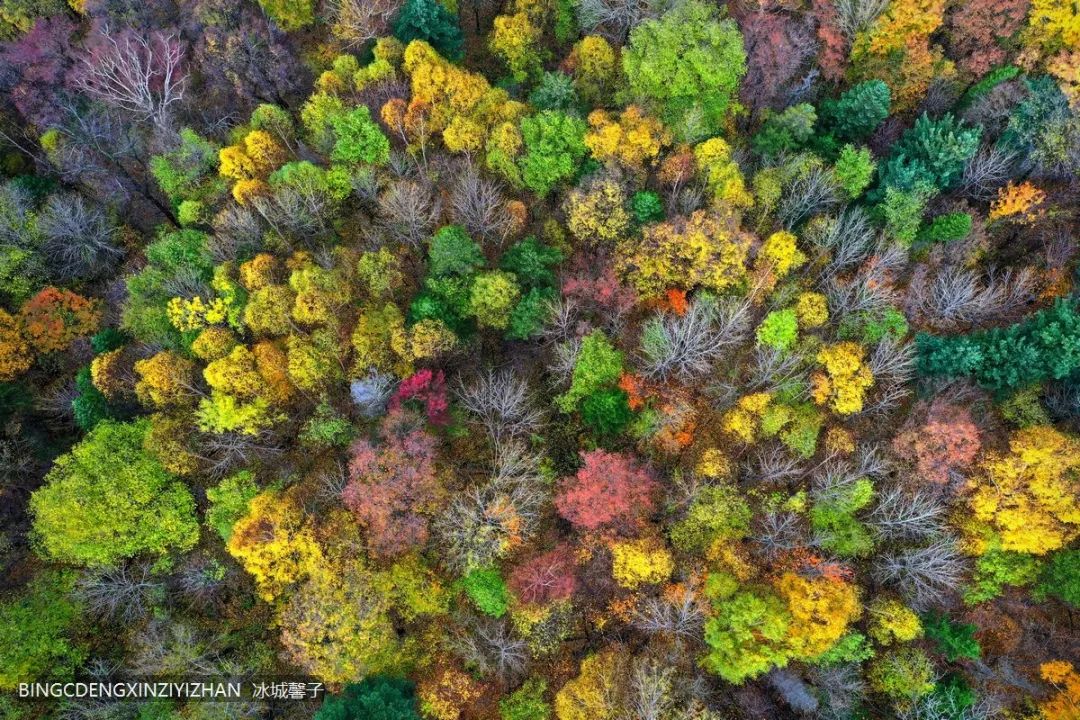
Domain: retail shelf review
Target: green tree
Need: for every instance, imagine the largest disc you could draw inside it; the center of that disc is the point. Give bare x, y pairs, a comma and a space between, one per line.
526, 703
689, 62
376, 698
554, 147
598, 365
36, 629
532, 262
109, 499
487, 589
854, 169
430, 21
1061, 577
492, 298
857, 112
359, 139
954, 640
229, 502
453, 252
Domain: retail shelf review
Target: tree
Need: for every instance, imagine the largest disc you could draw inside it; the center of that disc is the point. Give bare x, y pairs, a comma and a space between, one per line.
453, 252
336, 627
393, 487
139, 74
597, 214
53, 319
610, 491
593, 694
357, 22
487, 589
545, 578
359, 140
15, 353
554, 146
632, 139
376, 698
687, 63
640, 562
108, 500
229, 502
290, 14
37, 631
516, 40
492, 297
857, 112
430, 21
598, 365
717, 515
947, 441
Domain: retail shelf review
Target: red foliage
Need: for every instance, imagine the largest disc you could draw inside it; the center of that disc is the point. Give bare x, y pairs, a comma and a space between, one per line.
545, 578
393, 486
777, 45
54, 318
36, 64
610, 490
976, 29
948, 440
598, 289
832, 57
429, 389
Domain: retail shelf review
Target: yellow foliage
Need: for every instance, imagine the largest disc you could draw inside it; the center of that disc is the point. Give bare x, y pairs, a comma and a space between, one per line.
780, 253
275, 543
380, 341
722, 174
846, 379
256, 157
1064, 704
196, 313
1016, 200
15, 356
892, 621
812, 309
821, 610
640, 562
744, 419
714, 464
706, 250
1028, 497
431, 338
904, 19
164, 379
236, 374
259, 272
268, 310
106, 372
591, 695
214, 343
273, 367
595, 66
598, 214
634, 140
1053, 25
516, 40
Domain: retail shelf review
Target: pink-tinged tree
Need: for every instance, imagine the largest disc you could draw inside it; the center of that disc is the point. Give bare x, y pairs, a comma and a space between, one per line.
141, 74
35, 66
978, 29
777, 47
610, 491
948, 440
545, 578
428, 388
392, 486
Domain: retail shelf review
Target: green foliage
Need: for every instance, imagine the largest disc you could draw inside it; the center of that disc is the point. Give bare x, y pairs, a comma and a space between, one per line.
1061, 577
108, 339
529, 315
376, 698
598, 365
744, 635
453, 252
686, 65
1045, 346
947, 228
606, 412
902, 212
718, 514
787, 131
90, 406
36, 631
430, 21
327, 428
857, 112
854, 169
903, 674
646, 207
487, 589
872, 326
853, 647
932, 154
109, 499
191, 212
359, 139
229, 501
995, 569
833, 518
290, 14
987, 83
532, 262
554, 91
181, 256
954, 640
554, 147
779, 329
188, 172
526, 703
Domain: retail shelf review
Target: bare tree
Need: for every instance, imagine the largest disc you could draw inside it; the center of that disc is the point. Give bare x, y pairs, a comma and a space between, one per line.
649, 694
987, 171
77, 238
408, 212
793, 690
357, 22
854, 16
501, 401
956, 296
680, 618
773, 369
810, 193
140, 74
841, 688
687, 345
910, 516
490, 647
479, 206
120, 593
778, 533
923, 574
614, 19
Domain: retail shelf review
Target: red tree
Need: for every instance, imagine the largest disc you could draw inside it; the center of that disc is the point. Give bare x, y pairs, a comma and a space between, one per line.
54, 318
427, 388
977, 29
392, 487
777, 46
610, 490
947, 440
545, 578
